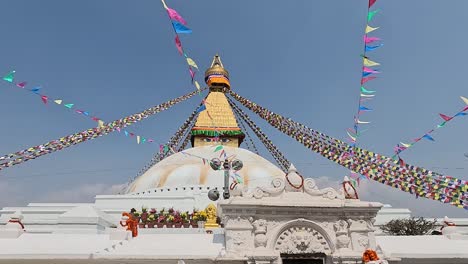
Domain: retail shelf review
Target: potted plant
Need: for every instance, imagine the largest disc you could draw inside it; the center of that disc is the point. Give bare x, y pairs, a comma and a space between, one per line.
151, 220
169, 221
144, 217
185, 219
201, 219
161, 219
178, 221
193, 218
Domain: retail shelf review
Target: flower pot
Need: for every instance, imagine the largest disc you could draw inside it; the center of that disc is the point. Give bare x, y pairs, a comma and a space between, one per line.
194, 224
150, 225
186, 225
169, 225
201, 224
141, 225
177, 225
160, 225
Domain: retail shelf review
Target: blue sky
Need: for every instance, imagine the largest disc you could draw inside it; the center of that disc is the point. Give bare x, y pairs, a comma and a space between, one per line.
299, 58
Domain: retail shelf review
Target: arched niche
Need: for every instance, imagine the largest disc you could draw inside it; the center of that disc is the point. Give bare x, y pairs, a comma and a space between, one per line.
301, 236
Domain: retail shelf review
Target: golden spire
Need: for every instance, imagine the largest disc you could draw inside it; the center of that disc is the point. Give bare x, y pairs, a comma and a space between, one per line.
216, 76
217, 124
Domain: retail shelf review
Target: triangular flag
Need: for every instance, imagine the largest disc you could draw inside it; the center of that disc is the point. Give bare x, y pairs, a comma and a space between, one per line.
371, 48
118, 129
371, 3
446, 118
370, 29
363, 90
363, 108
138, 139
132, 134
178, 44
197, 85
85, 113
181, 29
441, 125
21, 84
58, 101
126, 133
9, 77
192, 73
192, 63
366, 69
371, 14
406, 145
143, 140
44, 99
175, 16
36, 90
100, 123
368, 40
201, 108
69, 105
369, 63
95, 118
464, 99
428, 137
362, 122
366, 79
218, 148
367, 95
364, 74
461, 114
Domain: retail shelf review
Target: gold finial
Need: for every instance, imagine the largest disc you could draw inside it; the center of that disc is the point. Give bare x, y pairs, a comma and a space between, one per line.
216, 75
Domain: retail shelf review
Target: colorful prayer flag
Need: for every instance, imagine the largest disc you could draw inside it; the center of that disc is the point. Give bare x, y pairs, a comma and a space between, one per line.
175, 16
371, 3
21, 84
44, 99
370, 29
58, 101
9, 77
69, 105
446, 118
192, 63
369, 63
178, 45
181, 29
201, 108
464, 99
371, 14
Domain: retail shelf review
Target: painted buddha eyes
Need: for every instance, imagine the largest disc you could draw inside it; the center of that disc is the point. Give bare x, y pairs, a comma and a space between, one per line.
223, 140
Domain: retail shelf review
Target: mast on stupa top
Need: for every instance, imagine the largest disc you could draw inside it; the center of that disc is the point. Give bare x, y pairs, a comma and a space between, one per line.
217, 124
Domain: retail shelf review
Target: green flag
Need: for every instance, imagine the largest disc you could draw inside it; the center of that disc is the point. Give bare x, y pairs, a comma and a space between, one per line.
9, 77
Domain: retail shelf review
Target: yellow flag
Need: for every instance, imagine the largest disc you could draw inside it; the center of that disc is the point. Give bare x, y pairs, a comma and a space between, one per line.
192, 63
58, 101
197, 85
370, 29
138, 139
100, 123
464, 99
406, 145
370, 63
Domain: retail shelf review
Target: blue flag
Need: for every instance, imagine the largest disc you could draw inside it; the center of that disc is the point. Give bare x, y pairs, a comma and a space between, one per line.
201, 108
428, 137
181, 29
371, 48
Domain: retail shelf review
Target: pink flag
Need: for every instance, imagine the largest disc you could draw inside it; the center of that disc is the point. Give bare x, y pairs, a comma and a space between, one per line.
372, 2
444, 117
365, 69
192, 73
44, 99
175, 16
21, 84
366, 79
178, 44
368, 40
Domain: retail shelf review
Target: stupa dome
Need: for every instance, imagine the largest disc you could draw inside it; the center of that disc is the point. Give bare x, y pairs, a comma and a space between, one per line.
188, 169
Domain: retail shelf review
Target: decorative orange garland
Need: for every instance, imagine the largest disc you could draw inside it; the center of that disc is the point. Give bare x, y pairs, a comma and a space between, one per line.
369, 255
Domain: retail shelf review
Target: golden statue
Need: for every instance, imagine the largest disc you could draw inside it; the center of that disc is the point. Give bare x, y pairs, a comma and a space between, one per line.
211, 217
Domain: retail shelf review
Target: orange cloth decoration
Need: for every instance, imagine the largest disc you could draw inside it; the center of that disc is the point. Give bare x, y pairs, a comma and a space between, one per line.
131, 224
369, 255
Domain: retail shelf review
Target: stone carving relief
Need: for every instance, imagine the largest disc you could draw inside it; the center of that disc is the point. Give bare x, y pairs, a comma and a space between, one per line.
342, 238
278, 187
299, 240
260, 230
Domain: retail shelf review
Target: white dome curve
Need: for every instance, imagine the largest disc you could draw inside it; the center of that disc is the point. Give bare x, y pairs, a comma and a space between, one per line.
187, 169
